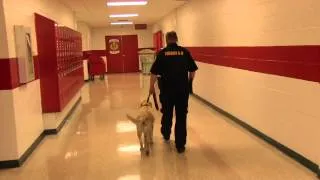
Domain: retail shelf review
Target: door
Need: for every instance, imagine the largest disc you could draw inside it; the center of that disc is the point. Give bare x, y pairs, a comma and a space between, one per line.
115, 60
130, 53
122, 54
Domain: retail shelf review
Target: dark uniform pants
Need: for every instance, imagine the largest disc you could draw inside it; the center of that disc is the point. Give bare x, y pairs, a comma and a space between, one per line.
161, 93
190, 86
179, 101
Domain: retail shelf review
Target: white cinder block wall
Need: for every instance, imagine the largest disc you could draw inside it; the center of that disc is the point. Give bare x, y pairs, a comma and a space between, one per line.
286, 109
21, 117
20, 12
4, 53
85, 30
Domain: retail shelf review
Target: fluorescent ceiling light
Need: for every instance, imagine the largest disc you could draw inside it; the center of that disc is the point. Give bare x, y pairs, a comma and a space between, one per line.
122, 15
127, 3
121, 23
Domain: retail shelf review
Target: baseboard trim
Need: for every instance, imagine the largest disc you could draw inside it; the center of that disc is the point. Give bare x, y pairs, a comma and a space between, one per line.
9, 164
289, 152
48, 132
19, 162
58, 129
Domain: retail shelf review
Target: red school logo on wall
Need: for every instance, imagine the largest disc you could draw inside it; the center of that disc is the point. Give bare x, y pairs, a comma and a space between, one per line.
114, 46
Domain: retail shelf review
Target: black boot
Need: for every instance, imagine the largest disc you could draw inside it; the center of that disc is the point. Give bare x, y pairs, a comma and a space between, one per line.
181, 149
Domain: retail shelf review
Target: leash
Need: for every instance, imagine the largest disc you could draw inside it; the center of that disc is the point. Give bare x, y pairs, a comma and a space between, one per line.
155, 100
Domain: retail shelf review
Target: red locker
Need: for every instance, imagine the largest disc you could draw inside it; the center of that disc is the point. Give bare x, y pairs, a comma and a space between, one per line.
60, 60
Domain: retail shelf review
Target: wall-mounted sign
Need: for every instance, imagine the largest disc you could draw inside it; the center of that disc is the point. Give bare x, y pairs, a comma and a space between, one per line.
114, 46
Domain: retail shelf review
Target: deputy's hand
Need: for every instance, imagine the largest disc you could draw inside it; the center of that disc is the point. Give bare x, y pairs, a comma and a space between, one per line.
152, 90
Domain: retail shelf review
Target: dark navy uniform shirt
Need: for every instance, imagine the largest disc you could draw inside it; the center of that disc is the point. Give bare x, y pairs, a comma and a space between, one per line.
173, 64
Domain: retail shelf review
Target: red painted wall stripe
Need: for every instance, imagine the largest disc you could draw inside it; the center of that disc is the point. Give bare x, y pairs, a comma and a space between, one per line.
86, 54
9, 77
152, 48
9, 73
300, 62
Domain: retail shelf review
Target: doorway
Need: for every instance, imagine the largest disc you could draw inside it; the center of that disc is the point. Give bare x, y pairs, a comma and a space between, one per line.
122, 53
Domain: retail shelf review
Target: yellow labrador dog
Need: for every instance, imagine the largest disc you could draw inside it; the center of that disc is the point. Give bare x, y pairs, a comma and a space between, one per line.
144, 122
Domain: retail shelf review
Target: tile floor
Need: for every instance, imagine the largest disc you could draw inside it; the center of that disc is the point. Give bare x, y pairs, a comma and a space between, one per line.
99, 143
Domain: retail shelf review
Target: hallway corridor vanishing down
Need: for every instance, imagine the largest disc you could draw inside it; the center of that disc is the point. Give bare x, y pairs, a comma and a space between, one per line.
99, 143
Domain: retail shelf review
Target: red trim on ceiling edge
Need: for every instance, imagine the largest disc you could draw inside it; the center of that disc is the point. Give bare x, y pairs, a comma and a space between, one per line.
9, 73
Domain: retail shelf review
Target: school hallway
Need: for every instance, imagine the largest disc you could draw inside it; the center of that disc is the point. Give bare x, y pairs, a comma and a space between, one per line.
98, 142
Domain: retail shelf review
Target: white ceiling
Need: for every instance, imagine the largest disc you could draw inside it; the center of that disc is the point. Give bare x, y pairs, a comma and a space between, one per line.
96, 13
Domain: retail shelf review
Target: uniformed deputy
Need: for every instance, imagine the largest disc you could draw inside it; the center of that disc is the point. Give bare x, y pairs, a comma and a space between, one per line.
176, 67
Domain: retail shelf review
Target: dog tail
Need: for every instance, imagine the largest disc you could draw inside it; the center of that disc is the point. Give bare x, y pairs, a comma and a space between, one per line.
134, 120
